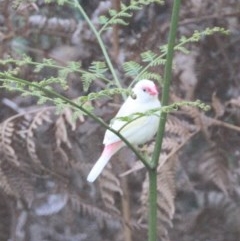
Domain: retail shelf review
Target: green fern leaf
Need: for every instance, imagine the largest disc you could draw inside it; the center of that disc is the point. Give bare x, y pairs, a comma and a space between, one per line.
95, 71
132, 68
103, 20
125, 15
148, 56
134, 7
74, 66
116, 17
87, 80
158, 61
98, 67
182, 49
112, 12
151, 75
119, 21
123, 6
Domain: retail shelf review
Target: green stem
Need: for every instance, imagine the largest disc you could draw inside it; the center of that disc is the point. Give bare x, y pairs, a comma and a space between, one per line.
167, 81
101, 44
152, 223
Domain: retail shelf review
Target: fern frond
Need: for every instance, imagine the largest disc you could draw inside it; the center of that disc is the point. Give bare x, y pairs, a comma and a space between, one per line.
103, 19
37, 149
21, 184
139, 71
166, 195
103, 93
40, 66
6, 133
214, 168
181, 49
63, 123
159, 59
5, 217
132, 68
98, 67
197, 35
222, 212
4, 185
96, 70
109, 185
150, 75
37, 121
119, 17
87, 209
148, 56
181, 128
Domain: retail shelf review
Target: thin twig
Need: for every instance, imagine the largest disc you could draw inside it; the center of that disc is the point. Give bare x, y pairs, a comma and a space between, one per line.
209, 17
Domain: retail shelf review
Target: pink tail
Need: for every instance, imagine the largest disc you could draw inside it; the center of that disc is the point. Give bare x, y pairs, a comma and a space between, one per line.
107, 153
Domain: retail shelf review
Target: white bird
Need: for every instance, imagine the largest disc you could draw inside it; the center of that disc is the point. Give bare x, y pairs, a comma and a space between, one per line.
137, 131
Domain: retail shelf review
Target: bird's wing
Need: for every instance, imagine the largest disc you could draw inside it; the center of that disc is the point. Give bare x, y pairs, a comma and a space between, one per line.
127, 129
133, 128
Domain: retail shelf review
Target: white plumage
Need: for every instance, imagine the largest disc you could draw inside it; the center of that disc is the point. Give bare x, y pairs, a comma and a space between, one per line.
137, 131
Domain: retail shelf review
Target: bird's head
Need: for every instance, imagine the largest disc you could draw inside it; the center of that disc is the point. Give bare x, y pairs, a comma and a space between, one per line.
145, 90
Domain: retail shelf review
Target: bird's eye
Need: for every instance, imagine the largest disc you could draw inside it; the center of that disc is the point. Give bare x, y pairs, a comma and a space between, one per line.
144, 89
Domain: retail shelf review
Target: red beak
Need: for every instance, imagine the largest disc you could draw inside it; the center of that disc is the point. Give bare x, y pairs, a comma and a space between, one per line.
153, 91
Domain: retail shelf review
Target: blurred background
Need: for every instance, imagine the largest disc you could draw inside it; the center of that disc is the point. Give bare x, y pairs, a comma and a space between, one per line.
45, 157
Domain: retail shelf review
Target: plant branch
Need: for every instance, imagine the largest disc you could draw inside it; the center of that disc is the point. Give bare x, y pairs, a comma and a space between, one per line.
54, 94
226, 125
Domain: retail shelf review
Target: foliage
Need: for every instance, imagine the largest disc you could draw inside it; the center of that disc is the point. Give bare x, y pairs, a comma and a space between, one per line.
151, 59
118, 17
44, 155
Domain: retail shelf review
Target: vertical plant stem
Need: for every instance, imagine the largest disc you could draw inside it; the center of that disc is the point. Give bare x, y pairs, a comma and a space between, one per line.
152, 223
167, 80
101, 44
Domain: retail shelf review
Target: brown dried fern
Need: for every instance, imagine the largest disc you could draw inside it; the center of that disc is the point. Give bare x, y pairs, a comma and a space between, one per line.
40, 144
19, 182
38, 120
214, 168
109, 185
33, 153
166, 195
5, 218
4, 185
6, 149
91, 210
